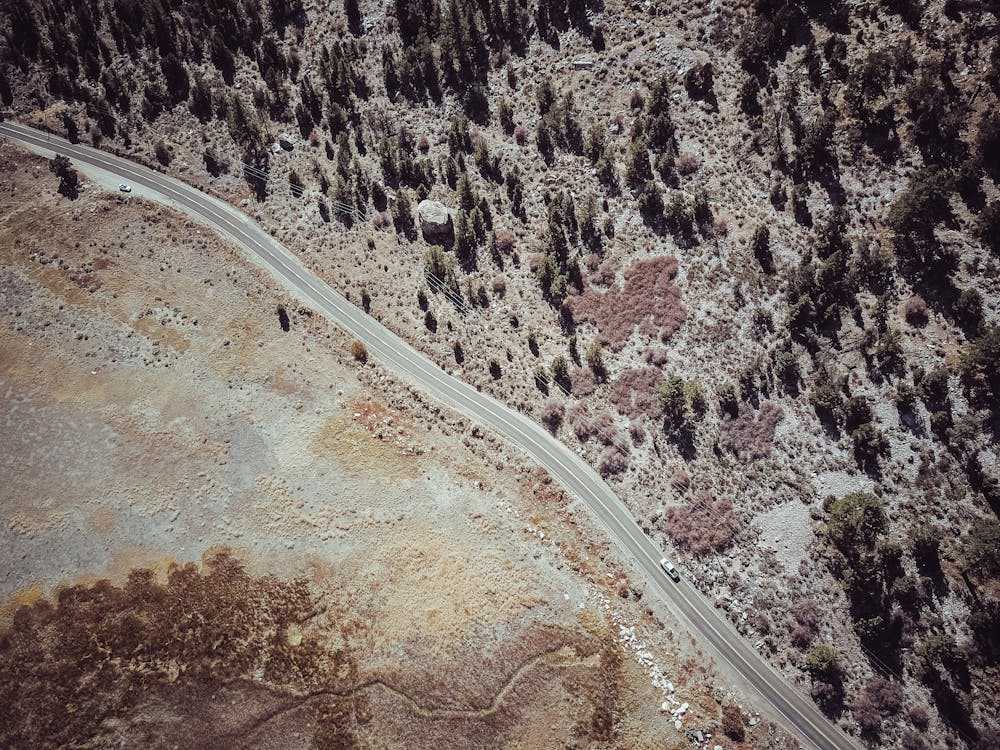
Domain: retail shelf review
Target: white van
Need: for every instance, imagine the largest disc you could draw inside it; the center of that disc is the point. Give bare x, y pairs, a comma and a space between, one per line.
669, 569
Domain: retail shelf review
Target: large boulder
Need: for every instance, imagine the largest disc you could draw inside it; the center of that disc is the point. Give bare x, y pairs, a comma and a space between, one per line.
435, 222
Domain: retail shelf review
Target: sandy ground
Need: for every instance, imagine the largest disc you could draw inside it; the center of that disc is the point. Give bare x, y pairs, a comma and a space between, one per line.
152, 410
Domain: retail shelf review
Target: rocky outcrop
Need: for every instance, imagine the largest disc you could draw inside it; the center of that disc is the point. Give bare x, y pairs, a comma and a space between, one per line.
435, 222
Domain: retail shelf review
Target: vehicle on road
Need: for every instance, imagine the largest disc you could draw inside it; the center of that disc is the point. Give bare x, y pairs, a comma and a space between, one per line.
125, 188
669, 569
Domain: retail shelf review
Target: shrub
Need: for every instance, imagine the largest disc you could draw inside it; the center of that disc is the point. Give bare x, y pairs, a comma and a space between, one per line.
358, 351
732, 722
520, 135
969, 309
915, 311
980, 362
69, 180
988, 225
649, 298
823, 661
827, 402
855, 522
707, 525
687, 164
869, 444
552, 414
751, 438
921, 205
634, 392
612, 461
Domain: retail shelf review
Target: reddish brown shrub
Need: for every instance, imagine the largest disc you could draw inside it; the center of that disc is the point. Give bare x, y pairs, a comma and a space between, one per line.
637, 431
382, 220
636, 101
578, 417
687, 164
499, 285
591, 261
680, 480
915, 311
612, 461
600, 426
583, 382
520, 135
634, 392
751, 438
552, 414
604, 276
423, 144
707, 525
649, 299
505, 241
655, 355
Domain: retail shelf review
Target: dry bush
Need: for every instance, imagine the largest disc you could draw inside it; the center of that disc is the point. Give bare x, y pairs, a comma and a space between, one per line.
605, 274
634, 392
520, 135
637, 431
382, 220
915, 311
358, 351
751, 438
499, 285
680, 480
687, 164
552, 414
505, 241
732, 722
423, 144
612, 461
636, 101
649, 299
655, 355
707, 525
600, 426
591, 261
584, 382
806, 617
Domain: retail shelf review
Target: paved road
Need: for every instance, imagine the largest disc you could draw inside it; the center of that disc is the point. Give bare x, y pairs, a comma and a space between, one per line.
796, 712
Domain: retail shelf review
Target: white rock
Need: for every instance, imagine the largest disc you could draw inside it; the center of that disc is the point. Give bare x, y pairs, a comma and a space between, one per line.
435, 220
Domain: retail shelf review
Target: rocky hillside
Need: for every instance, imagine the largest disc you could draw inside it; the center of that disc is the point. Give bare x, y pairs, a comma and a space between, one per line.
743, 257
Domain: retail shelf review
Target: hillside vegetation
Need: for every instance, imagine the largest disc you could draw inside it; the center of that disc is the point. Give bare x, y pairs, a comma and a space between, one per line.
745, 257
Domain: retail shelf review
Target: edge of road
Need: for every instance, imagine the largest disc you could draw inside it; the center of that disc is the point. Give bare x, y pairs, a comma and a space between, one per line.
407, 363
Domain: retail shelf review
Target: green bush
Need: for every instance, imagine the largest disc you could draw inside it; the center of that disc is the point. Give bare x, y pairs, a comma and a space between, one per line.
855, 522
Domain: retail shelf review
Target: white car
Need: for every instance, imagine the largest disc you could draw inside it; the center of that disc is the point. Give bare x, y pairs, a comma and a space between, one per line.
669, 569
125, 188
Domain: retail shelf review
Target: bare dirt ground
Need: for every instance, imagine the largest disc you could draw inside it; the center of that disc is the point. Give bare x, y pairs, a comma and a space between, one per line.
388, 575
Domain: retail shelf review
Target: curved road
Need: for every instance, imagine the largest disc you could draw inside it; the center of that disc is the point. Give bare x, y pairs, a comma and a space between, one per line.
797, 713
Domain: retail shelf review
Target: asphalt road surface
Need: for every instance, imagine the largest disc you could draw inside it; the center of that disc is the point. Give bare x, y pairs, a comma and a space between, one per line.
794, 711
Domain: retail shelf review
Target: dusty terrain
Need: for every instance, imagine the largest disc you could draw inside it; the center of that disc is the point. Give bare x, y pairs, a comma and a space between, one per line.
333, 562
827, 357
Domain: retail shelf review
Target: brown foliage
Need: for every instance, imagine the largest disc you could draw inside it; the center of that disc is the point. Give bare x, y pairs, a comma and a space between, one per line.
732, 722
915, 311
612, 461
751, 438
104, 648
584, 382
707, 525
649, 299
552, 414
634, 392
